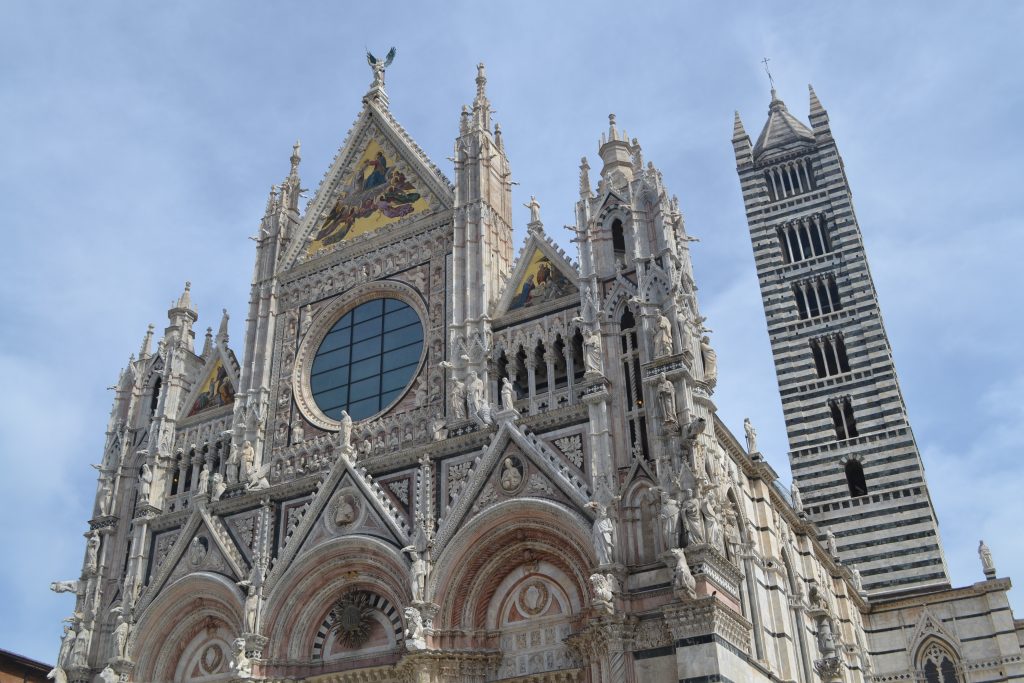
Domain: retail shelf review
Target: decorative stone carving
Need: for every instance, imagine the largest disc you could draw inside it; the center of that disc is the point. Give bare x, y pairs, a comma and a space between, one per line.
572, 448
987, 563
217, 486
667, 401
414, 633
663, 337
197, 550
240, 665
64, 586
602, 588
682, 577
603, 533
751, 434
511, 474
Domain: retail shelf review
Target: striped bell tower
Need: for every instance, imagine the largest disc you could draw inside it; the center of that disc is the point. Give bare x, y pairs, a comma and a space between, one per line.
855, 462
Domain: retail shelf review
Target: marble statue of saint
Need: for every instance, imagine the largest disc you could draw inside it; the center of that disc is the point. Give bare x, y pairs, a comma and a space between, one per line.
668, 516
682, 577
67, 644
217, 486
92, 552
667, 400
80, 650
458, 400
507, 394
232, 465
146, 482
858, 582
417, 573
830, 541
106, 495
691, 518
534, 207
252, 605
592, 351
663, 337
751, 434
712, 525
248, 459
794, 492
204, 480
510, 476
710, 360
602, 533
121, 632
732, 535
345, 432
475, 393
987, 563
298, 433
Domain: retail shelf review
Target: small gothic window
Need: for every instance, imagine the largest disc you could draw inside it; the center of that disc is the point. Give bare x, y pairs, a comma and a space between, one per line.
842, 418
829, 355
938, 665
855, 479
618, 238
156, 396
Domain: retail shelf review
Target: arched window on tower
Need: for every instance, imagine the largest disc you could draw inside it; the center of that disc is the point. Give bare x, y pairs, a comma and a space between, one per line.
829, 354
938, 663
842, 418
618, 241
155, 401
855, 479
633, 384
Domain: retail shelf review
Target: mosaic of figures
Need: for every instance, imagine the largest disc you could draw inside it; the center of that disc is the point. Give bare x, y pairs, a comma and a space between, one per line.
215, 392
378, 191
541, 282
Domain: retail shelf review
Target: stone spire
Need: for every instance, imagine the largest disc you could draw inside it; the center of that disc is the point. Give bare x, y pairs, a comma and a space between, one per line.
144, 350
208, 344
585, 190
181, 316
818, 117
740, 141
481, 105
616, 152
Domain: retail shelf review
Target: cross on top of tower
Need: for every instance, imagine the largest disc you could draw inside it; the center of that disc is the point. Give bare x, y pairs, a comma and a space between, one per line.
771, 81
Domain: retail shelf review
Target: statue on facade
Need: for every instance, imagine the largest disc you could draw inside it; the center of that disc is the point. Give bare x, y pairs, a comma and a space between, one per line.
751, 434
248, 460
534, 207
691, 518
663, 337
667, 400
602, 586
511, 477
232, 465
417, 573
858, 581
507, 394
345, 434
80, 650
240, 664
67, 644
379, 66
204, 480
987, 563
794, 493
298, 433
668, 516
830, 541
732, 535
92, 553
592, 352
458, 399
682, 577
415, 636
602, 533
475, 395
710, 359
252, 604
121, 632
712, 524
145, 482
64, 586
106, 495
217, 486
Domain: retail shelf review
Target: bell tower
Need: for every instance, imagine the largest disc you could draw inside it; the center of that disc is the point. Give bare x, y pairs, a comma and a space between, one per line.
856, 467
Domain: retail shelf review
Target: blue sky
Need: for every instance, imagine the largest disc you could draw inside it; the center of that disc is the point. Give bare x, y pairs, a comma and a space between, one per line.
140, 141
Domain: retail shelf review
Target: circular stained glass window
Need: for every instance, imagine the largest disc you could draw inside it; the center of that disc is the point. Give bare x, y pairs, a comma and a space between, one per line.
367, 359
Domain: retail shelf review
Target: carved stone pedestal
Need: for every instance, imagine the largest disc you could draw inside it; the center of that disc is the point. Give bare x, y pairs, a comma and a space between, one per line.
712, 641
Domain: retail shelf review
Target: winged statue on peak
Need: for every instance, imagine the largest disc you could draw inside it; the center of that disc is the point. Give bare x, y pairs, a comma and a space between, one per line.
379, 66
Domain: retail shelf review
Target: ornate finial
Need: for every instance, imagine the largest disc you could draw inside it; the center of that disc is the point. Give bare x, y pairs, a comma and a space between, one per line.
144, 350
612, 132
497, 137
378, 66
185, 300
481, 107
481, 80
771, 81
208, 344
584, 178
296, 157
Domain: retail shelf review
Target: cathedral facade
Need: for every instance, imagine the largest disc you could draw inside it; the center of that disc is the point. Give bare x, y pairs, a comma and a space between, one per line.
435, 459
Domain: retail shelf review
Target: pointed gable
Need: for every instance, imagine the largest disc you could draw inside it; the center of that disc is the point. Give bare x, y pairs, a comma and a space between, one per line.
542, 274
380, 177
216, 388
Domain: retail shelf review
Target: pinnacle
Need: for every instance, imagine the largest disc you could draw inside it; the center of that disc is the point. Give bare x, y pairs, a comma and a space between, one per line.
738, 131
815, 102
185, 300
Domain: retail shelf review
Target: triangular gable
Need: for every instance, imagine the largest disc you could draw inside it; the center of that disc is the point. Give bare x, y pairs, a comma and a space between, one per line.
355, 503
216, 389
929, 625
540, 455
379, 177
543, 273
217, 554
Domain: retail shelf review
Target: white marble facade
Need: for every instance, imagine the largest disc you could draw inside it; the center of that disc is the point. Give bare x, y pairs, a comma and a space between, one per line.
542, 492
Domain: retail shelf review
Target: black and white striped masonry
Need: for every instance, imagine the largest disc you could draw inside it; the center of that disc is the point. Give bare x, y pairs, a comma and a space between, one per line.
853, 454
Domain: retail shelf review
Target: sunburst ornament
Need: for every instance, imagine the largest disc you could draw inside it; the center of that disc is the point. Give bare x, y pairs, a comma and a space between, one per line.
350, 619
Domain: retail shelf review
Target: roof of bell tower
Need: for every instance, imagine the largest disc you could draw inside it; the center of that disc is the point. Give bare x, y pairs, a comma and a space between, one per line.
782, 129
